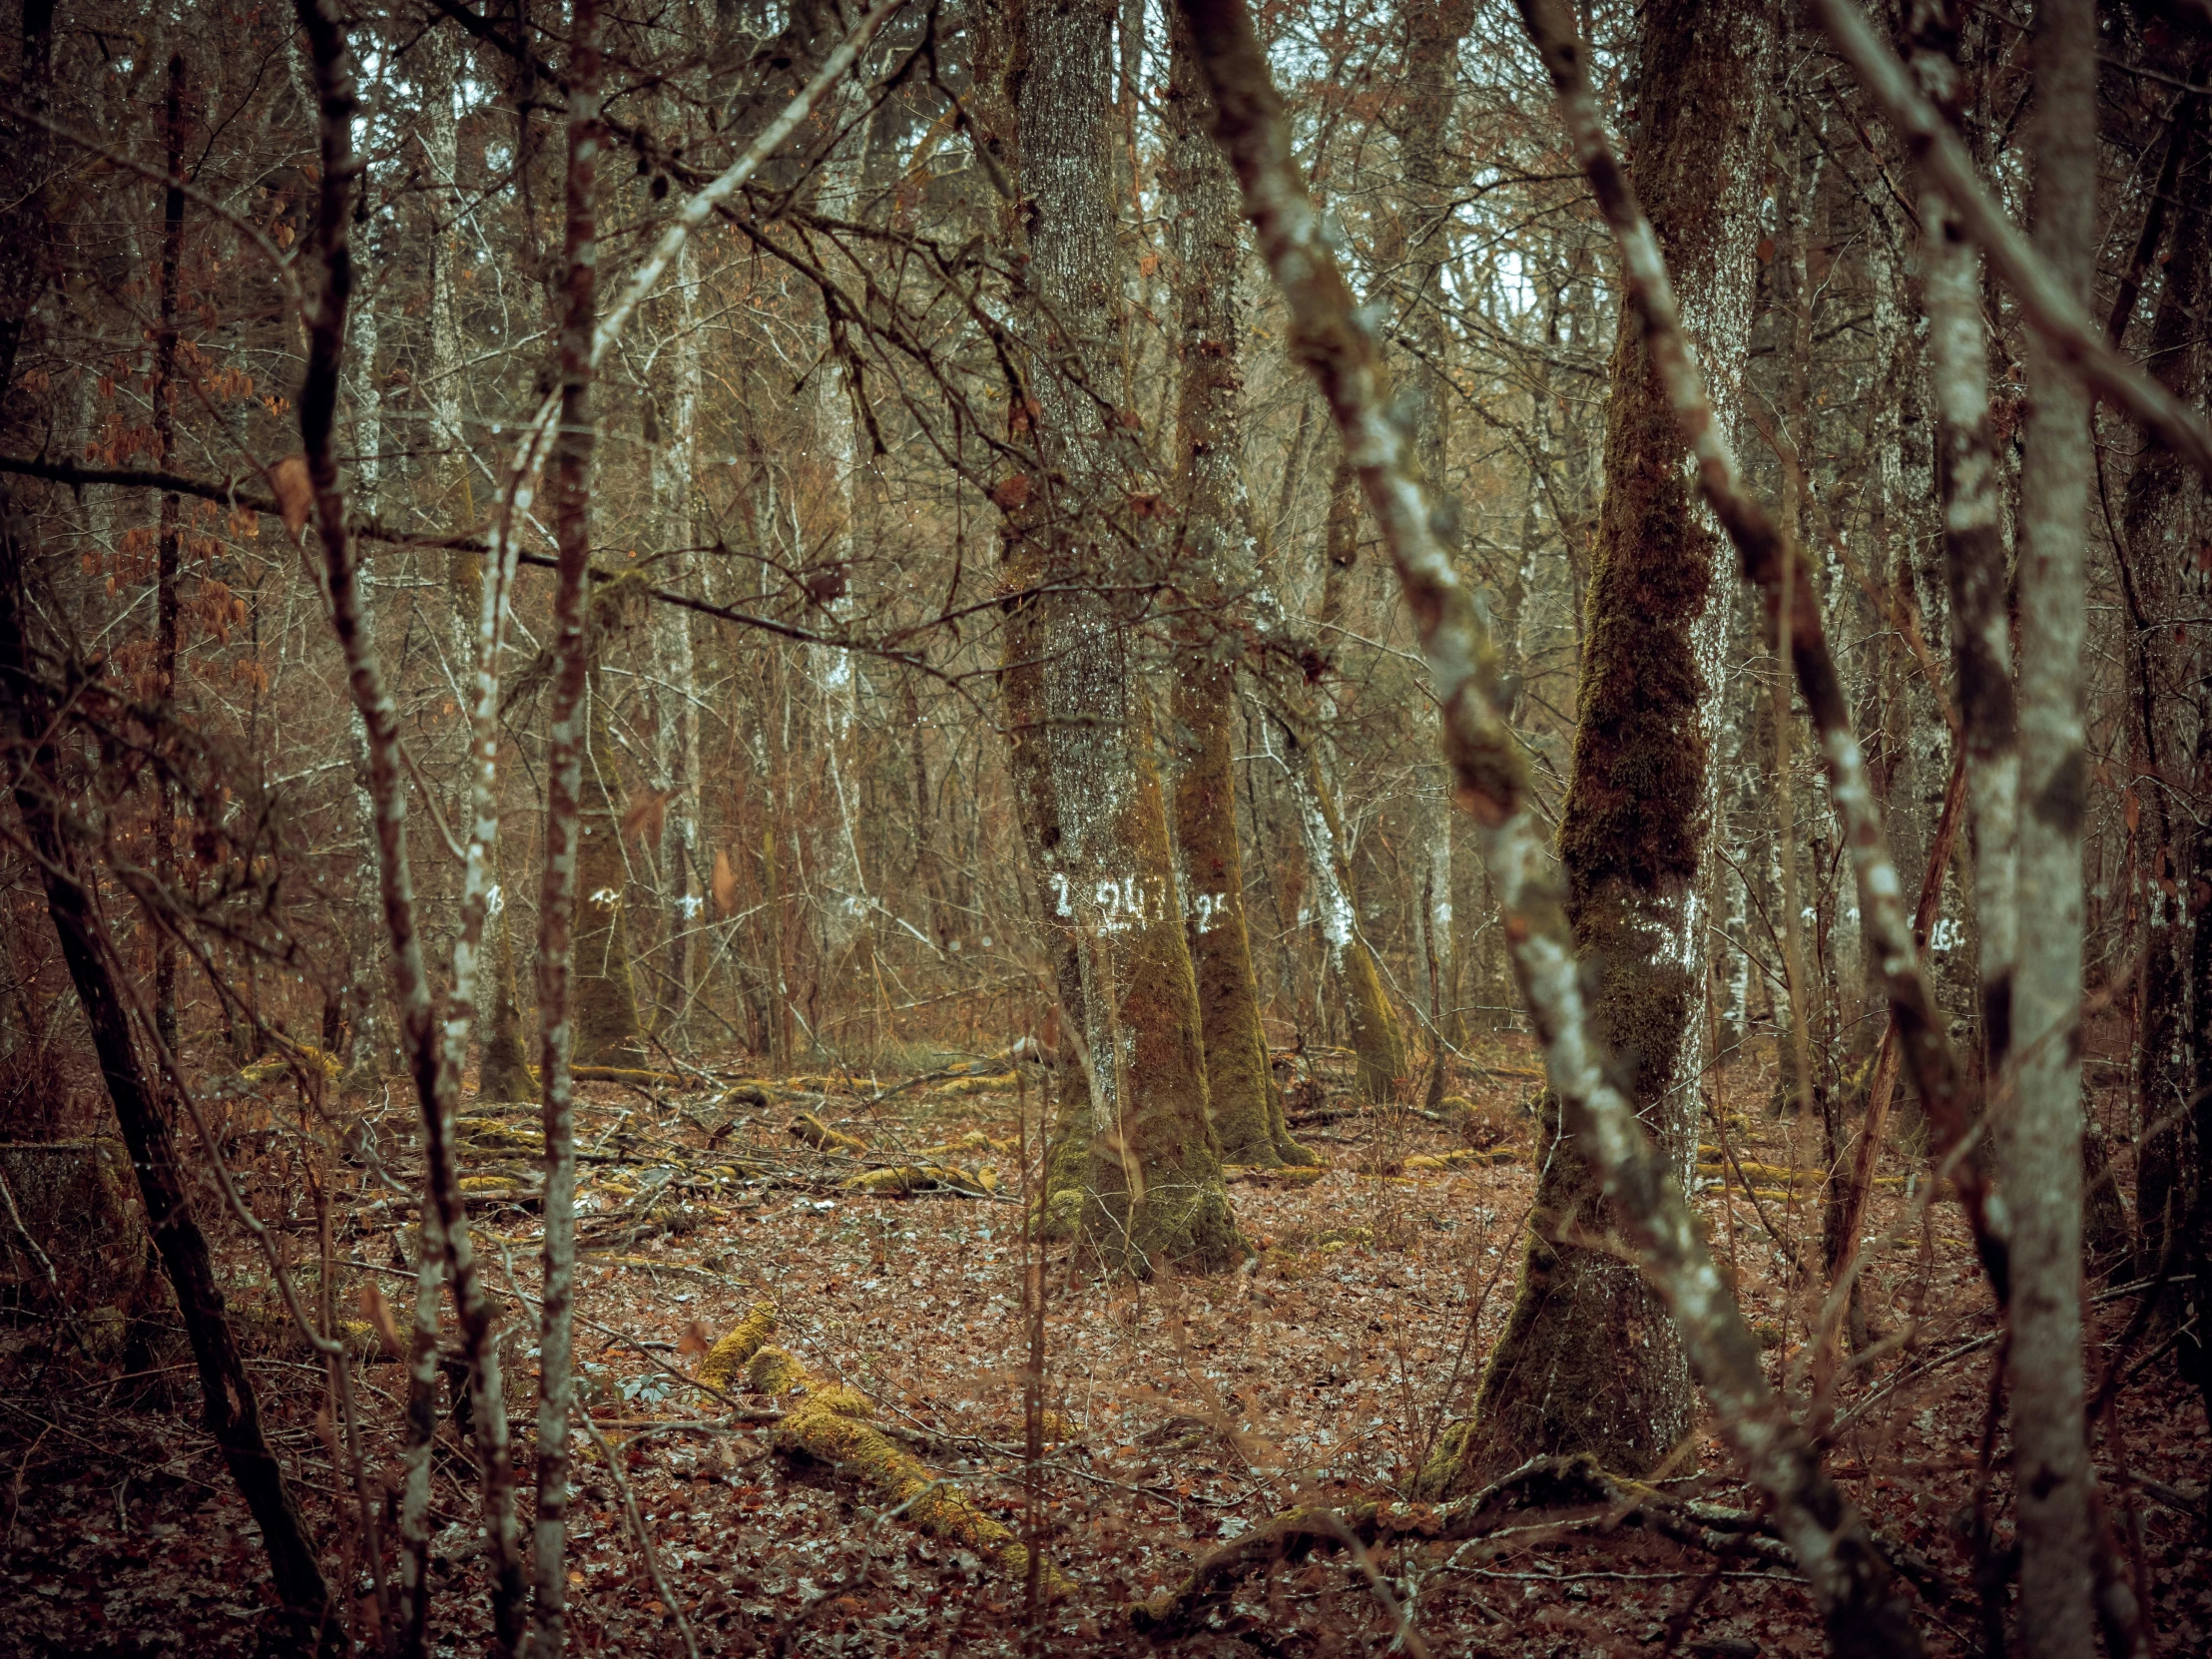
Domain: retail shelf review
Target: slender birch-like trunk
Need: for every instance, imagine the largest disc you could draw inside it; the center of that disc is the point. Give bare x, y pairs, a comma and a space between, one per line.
1301, 715
2040, 1142
674, 447
1589, 1360
834, 673
1216, 568
1154, 1188
433, 1064
557, 893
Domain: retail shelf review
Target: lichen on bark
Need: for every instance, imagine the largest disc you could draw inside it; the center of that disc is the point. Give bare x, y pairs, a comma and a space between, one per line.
1589, 1360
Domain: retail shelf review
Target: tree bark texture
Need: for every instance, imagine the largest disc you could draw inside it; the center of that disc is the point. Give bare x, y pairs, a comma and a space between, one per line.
1154, 1195
566, 761
1589, 1360
1216, 568
2039, 1145
433, 1065
1849, 1581
1420, 242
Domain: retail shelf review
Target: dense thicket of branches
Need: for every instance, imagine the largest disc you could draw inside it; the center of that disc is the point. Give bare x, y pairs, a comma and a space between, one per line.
594, 541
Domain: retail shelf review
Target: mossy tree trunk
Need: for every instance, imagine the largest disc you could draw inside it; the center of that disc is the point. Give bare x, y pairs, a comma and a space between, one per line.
1022, 566
1154, 1193
1216, 563
1589, 1360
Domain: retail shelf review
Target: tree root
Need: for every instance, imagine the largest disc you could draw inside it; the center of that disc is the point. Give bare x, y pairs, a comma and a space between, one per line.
1569, 1492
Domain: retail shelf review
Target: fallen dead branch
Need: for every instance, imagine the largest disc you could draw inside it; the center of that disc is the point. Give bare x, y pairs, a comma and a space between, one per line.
1548, 1494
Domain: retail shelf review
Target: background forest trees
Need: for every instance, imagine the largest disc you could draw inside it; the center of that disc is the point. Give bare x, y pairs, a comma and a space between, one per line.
778, 548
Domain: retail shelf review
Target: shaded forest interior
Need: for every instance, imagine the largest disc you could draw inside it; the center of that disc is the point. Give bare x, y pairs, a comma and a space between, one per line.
1105, 825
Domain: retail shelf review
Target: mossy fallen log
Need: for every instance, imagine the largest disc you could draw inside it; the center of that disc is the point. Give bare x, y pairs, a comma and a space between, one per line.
1430, 1162
719, 1371
829, 1422
810, 1129
900, 1179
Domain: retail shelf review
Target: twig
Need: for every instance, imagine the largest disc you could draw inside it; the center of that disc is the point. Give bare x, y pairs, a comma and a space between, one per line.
636, 1525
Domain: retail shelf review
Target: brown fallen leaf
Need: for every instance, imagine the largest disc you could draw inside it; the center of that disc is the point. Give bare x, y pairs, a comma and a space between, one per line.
725, 885
377, 1311
294, 492
648, 811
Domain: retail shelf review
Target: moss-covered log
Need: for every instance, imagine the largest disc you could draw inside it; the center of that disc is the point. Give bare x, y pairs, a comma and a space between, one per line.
829, 1422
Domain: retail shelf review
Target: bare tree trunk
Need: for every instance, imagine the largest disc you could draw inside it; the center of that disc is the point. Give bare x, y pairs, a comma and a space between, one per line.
1590, 1359
1154, 1195
167, 542
2040, 1147
674, 443
1301, 715
229, 1409
1216, 568
1422, 241
433, 1065
565, 761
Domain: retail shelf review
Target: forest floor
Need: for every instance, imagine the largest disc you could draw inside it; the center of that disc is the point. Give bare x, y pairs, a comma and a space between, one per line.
1195, 1409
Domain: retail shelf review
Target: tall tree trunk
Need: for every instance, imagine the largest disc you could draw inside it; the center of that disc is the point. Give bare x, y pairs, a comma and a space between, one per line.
2039, 1143
1215, 567
231, 1412
167, 605
2160, 510
433, 1064
568, 737
1154, 1188
1421, 242
674, 447
1301, 715
1589, 1360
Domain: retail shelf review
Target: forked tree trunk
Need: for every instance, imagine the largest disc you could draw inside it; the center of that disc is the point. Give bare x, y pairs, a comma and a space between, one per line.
1589, 1360
2040, 1142
1216, 568
1154, 1194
